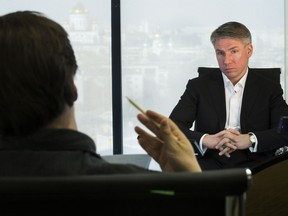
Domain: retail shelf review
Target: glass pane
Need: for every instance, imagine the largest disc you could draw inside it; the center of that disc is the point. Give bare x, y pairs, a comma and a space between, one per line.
88, 23
165, 41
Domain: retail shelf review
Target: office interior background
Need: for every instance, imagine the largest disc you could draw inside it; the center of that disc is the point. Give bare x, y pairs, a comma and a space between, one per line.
163, 42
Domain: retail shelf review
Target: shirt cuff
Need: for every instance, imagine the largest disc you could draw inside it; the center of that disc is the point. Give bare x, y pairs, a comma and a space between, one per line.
253, 148
202, 148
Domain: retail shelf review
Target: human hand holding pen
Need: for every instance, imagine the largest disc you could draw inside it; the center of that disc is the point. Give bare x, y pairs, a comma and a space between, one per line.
169, 146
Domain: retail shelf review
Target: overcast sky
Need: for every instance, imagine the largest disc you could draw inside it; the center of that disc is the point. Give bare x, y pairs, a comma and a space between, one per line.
260, 13
59, 9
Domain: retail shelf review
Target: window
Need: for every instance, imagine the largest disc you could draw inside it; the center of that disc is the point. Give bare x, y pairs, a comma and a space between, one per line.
88, 23
163, 44
165, 41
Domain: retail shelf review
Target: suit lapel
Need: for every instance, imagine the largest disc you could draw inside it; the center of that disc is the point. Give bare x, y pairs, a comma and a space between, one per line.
217, 92
249, 96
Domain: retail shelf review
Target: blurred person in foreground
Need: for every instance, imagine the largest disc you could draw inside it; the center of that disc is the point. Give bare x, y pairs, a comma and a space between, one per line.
235, 112
39, 135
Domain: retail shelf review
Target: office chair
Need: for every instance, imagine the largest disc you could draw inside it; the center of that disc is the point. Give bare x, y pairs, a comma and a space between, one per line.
269, 73
223, 192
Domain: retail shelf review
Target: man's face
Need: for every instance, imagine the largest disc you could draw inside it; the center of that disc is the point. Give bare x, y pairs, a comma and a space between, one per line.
233, 56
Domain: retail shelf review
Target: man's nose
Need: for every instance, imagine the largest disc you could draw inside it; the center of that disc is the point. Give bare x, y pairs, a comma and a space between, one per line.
227, 58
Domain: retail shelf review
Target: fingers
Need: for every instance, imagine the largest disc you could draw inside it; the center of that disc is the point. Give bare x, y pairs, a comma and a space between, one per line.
157, 123
168, 143
148, 123
166, 125
226, 151
233, 131
226, 148
231, 134
147, 141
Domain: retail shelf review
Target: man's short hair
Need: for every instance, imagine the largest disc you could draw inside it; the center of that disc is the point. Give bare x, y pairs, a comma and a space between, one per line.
37, 66
233, 30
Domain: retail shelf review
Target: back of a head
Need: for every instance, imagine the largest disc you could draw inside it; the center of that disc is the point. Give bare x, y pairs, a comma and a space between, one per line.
37, 66
233, 30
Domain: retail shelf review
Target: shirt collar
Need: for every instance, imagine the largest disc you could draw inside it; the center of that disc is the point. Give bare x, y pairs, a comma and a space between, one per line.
50, 140
240, 84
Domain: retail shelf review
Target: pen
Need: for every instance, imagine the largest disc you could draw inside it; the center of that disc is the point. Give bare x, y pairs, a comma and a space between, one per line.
141, 110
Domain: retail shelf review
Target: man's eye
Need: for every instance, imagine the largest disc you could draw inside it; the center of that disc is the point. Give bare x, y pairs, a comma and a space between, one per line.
220, 53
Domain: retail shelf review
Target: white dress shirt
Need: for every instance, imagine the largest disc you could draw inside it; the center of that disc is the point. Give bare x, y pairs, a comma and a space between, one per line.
233, 98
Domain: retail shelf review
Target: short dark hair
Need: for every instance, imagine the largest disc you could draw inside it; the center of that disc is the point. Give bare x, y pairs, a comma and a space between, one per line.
232, 29
37, 67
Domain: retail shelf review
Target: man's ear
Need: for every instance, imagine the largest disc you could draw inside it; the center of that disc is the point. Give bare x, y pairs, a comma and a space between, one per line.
71, 93
74, 91
250, 49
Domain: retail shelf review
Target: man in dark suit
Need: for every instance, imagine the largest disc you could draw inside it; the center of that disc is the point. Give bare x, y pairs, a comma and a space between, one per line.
235, 112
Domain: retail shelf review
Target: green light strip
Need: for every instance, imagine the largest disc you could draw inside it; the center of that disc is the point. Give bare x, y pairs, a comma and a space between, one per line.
163, 192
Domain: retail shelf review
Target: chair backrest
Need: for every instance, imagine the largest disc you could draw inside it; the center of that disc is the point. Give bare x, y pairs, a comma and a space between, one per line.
270, 73
130, 194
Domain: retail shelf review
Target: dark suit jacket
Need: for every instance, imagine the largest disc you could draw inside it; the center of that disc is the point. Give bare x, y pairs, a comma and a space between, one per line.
56, 152
203, 102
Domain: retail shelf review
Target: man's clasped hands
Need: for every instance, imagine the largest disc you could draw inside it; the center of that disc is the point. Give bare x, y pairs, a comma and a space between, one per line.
227, 141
